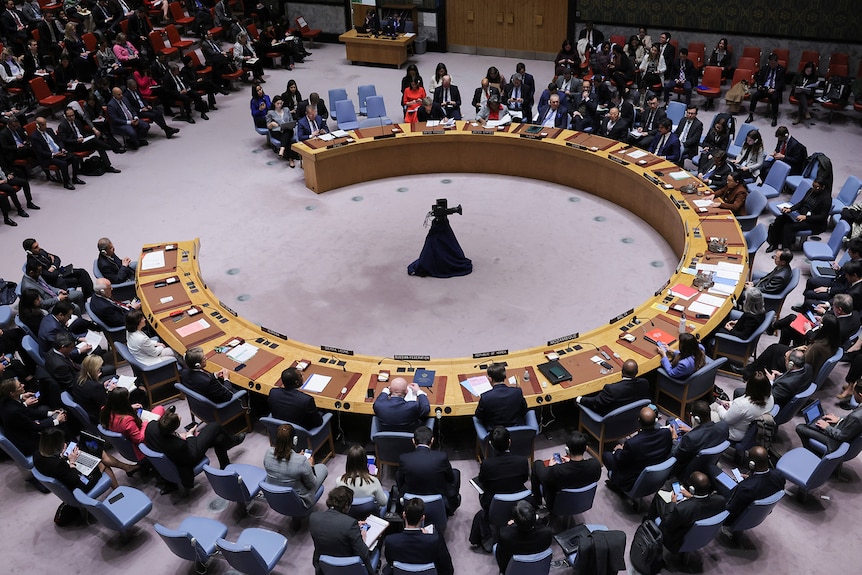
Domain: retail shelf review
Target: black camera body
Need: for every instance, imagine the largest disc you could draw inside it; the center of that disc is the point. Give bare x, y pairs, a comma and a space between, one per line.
442, 210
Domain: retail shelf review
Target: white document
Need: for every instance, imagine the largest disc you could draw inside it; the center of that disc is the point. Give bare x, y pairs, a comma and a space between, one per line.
242, 353
153, 260
166, 299
722, 289
783, 205
710, 300
702, 203
516, 114
376, 527
148, 416
326, 137
127, 381
409, 34
94, 338
507, 119
432, 123
316, 382
707, 267
680, 175
88, 138
479, 384
727, 266
637, 154
340, 134
728, 275
697, 307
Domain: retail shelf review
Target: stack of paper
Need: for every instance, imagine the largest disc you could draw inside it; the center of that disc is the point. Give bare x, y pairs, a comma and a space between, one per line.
683, 291
316, 382
477, 385
242, 353
153, 261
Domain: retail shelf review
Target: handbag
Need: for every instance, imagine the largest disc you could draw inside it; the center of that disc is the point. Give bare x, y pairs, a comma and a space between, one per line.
393, 512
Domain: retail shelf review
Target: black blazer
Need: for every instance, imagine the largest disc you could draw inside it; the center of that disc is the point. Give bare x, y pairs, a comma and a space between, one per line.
454, 96
502, 473
794, 156
569, 475
502, 405
619, 132
62, 369
692, 140
515, 542
58, 468
614, 395
527, 95
336, 534
206, 384
91, 396
477, 95
20, 425
676, 524
707, 434
110, 313
40, 146
775, 281
426, 472
755, 486
113, 269
294, 406
648, 447
413, 546
790, 383
175, 448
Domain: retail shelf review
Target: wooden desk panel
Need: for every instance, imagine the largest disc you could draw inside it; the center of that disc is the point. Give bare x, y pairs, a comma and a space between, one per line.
376, 50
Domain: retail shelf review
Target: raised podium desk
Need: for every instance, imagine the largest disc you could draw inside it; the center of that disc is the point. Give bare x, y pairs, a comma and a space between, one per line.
380, 50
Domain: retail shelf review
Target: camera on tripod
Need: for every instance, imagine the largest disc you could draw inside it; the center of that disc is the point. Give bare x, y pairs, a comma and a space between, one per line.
441, 209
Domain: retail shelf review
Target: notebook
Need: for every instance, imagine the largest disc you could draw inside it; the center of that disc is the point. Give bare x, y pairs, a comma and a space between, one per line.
813, 412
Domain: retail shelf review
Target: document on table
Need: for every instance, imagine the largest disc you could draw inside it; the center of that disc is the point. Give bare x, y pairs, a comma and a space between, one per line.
722, 289
127, 381
478, 385
729, 267
507, 119
153, 260
193, 327
242, 353
680, 175
339, 134
697, 307
316, 382
637, 154
710, 300
326, 137
702, 203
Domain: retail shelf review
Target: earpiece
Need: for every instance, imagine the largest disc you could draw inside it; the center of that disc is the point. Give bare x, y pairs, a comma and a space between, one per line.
103, 252
295, 440
197, 366
696, 419
751, 464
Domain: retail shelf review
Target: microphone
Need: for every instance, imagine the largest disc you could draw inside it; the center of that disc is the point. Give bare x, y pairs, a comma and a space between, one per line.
382, 359
343, 393
343, 367
603, 353
438, 413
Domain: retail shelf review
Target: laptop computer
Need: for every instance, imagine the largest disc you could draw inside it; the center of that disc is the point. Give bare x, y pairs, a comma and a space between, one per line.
89, 453
813, 412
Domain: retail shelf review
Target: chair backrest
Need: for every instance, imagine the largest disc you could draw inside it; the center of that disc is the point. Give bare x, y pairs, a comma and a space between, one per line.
118, 440
90, 41
757, 512
836, 240
156, 41
675, 111
702, 532
375, 107
103, 513
755, 203
783, 55
117, 333
362, 93
283, 499
501, 507
809, 56
741, 133
79, 412
752, 52
23, 461
435, 510
182, 544
32, 348
346, 111
705, 460
227, 484
712, 76
784, 414
302, 23
40, 88
57, 488
826, 467
827, 367
401, 568
336, 95
173, 34
201, 406
391, 445
777, 175
755, 237
652, 478
341, 565
849, 190
243, 558
163, 465
569, 502
362, 507
774, 302
617, 423
533, 564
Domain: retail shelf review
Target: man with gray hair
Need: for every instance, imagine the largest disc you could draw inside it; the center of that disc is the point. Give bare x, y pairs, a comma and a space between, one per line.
519, 98
449, 98
111, 266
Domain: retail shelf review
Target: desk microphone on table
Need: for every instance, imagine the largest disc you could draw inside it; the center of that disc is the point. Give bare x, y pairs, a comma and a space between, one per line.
343, 367
382, 359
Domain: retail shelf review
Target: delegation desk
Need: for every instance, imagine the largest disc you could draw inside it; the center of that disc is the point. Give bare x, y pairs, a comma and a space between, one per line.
170, 284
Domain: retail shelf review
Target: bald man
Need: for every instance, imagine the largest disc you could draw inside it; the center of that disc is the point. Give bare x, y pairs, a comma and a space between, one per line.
613, 395
678, 515
125, 122
762, 481
110, 311
650, 445
401, 407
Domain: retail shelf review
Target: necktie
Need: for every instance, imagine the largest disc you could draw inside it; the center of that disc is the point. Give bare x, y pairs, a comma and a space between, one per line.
783, 148
46, 287
682, 71
650, 119
770, 82
125, 7
52, 145
15, 135
446, 95
138, 100
17, 19
126, 112
660, 146
179, 82
685, 131
75, 130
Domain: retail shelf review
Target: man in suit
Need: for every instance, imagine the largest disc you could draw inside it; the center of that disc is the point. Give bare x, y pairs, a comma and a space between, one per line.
48, 293
215, 387
58, 361
483, 93
124, 122
401, 406
716, 175
761, 482
185, 450
528, 79
584, 108
776, 280
21, 423
665, 144
650, 445
553, 115
788, 150
49, 152
336, 533
544, 99
449, 98
311, 125
501, 405
34, 62
682, 74
677, 517
72, 133
413, 545
50, 35
594, 38
666, 51
54, 324
647, 128
110, 265
218, 59
140, 108
8, 183
613, 126
288, 403
14, 28
613, 395
702, 434
519, 98
178, 90
567, 86
14, 143
795, 380
315, 100
522, 536
832, 430
109, 311
688, 132
809, 213
573, 472
769, 82
427, 472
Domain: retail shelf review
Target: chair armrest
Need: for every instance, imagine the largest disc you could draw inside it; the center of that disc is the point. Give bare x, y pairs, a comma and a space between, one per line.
591, 414
731, 338
158, 365
531, 421
235, 398
481, 431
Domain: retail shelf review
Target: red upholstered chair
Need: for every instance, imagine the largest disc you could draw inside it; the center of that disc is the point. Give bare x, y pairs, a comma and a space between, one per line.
179, 15
45, 97
755, 53
175, 39
158, 45
710, 85
307, 32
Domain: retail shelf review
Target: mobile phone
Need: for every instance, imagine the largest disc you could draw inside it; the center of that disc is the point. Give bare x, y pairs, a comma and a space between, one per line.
371, 394
190, 426
71, 447
557, 458
140, 411
116, 498
677, 490
365, 526
37, 394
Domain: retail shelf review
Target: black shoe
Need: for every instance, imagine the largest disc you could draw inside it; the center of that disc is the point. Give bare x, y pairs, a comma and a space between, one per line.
224, 92
68, 186
33, 206
189, 119
171, 409
213, 107
168, 488
771, 248
142, 143
204, 116
749, 119
78, 181
113, 170
9, 222
799, 308
238, 438
774, 122
846, 405
120, 151
737, 369
169, 132
23, 214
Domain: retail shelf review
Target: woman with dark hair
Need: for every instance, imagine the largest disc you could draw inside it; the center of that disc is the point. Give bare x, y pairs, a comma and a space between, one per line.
620, 70
412, 99
357, 477
495, 79
635, 51
51, 461
21, 421
751, 156
292, 98
722, 57
144, 349
567, 57
652, 70
803, 86
680, 364
717, 138
739, 414
281, 124
30, 310
120, 415
522, 535
732, 196
410, 74
284, 466
437, 78
260, 105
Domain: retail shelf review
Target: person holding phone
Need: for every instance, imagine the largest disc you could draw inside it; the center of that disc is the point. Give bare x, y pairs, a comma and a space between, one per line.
684, 507
285, 466
564, 472
21, 424
122, 416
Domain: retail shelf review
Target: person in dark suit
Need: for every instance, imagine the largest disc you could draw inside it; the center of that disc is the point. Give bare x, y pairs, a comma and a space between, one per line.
788, 150
501, 405
124, 122
769, 83
288, 403
681, 74
218, 59
832, 430
761, 482
574, 471
666, 51
647, 125
795, 380
140, 108
413, 545
529, 80
401, 406
613, 395
336, 533
71, 132
809, 213
58, 362
214, 387
114, 269
483, 93
449, 97
522, 536
545, 98
310, 125
430, 110
49, 152
185, 450
315, 100
54, 272
14, 143
776, 280
613, 126
715, 176
650, 445
703, 433
665, 144
54, 324
178, 90
594, 38
584, 108
689, 131
14, 28
21, 423
677, 517
428, 472
49, 461
519, 98
109, 311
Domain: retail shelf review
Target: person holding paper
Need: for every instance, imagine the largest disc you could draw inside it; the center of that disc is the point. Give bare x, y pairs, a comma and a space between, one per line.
449, 97
54, 324
401, 406
336, 533
732, 196
759, 483
809, 213
494, 111
311, 125
213, 386
76, 137
288, 403
519, 98
502, 404
415, 545
678, 515
141, 346
121, 416
90, 390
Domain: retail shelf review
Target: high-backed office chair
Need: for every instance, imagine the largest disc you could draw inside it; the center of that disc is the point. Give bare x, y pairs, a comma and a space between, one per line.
754, 239
736, 147
154, 376
571, 502
376, 108
435, 510
66, 496
756, 513
363, 92
808, 470
306, 31
500, 510
362, 507
78, 413
775, 301
755, 203
650, 480
799, 193
685, 391
710, 85
401, 568
705, 461
120, 511
121, 290
120, 443
256, 551
312, 439
827, 367
675, 112
346, 115
175, 39
739, 349
610, 427
809, 174
827, 251
238, 482
532, 564
846, 195
347, 565
31, 347
284, 500
166, 468
336, 95
194, 540
389, 446
221, 413
774, 183
523, 437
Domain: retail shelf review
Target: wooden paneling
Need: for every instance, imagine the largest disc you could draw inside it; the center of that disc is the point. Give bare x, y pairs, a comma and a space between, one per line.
510, 26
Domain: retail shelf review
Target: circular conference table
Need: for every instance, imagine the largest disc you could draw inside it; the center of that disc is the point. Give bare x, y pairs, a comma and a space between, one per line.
185, 313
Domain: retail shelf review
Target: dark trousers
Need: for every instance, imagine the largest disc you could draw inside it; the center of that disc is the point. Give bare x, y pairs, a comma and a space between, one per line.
782, 231
8, 190
64, 163
771, 358
774, 100
808, 432
212, 436
96, 145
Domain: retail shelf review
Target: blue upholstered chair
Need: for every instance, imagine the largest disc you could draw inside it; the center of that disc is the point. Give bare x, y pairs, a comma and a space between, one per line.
312, 439
740, 349
284, 500
784, 414
166, 468
774, 183
256, 551
66, 496
756, 513
389, 446
809, 470
650, 481
685, 391
221, 413
154, 376
401, 568
123, 508
363, 92
238, 482
571, 502
435, 510
336, 95
194, 540
827, 251
118, 440
348, 565
612, 426
755, 203
523, 437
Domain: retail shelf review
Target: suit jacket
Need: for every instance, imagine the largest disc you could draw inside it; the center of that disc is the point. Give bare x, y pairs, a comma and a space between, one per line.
718, 177
175, 448
502, 405
648, 447
659, 115
854, 291
477, 96
322, 112
817, 207
762, 76
115, 111
7, 142
304, 129
569, 475
40, 145
682, 516
614, 395
48, 298
775, 281
706, 435
64, 371
598, 38
502, 473
790, 383
206, 384
414, 546
67, 136
587, 109
526, 94
546, 96
692, 139
113, 269
670, 150
755, 486
398, 414
294, 406
20, 426
561, 118
515, 542
48, 330
454, 96
795, 155
58, 468
618, 132
337, 534
426, 472
669, 55
110, 313
687, 67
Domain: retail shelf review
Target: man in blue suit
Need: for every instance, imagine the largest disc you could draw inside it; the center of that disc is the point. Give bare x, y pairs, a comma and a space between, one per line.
553, 115
427, 472
650, 445
401, 406
501, 405
666, 143
311, 125
703, 434
413, 545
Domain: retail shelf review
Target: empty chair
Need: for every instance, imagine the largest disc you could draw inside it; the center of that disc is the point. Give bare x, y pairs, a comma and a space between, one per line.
570, 502
256, 551
306, 31
32, 348
755, 203
166, 468
195, 538
533, 564
756, 513
704, 461
737, 349
754, 239
809, 174
312, 439
284, 500
175, 39
612, 426
809, 470
347, 565
684, 391
774, 183
376, 108
435, 510
847, 195
650, 480
675, 112
363, 92
523, 437
336, 95
119, 441
710, 85
124, 507
222, 413
238, 482
401, 568
827, 367
154, 376
827, 251
346, 115
57, 488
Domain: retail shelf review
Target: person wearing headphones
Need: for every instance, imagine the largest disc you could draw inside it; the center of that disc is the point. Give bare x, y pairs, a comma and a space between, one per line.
650, 445
832, 430
571, 472
289, 468
760, 482
678, 514
613, 395
111, 266
213, 386
288, 403
795, 380
690, 440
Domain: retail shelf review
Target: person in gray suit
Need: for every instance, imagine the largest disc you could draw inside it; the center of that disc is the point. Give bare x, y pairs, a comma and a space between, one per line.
336, 533
50, 295
832, 430
284, 466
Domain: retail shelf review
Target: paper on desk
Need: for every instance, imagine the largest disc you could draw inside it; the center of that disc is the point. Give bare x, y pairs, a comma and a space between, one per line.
706, 267
507, 119
153, 260
710, 300
478, 384
725, 281
728, 274
680, 175
432, 123
637, 153
326, 137
722, 289
340, 134
242, 353
316, 382
702, 203
697, 307
727, 266
127, 381
516, 114
193, 327
409, 34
